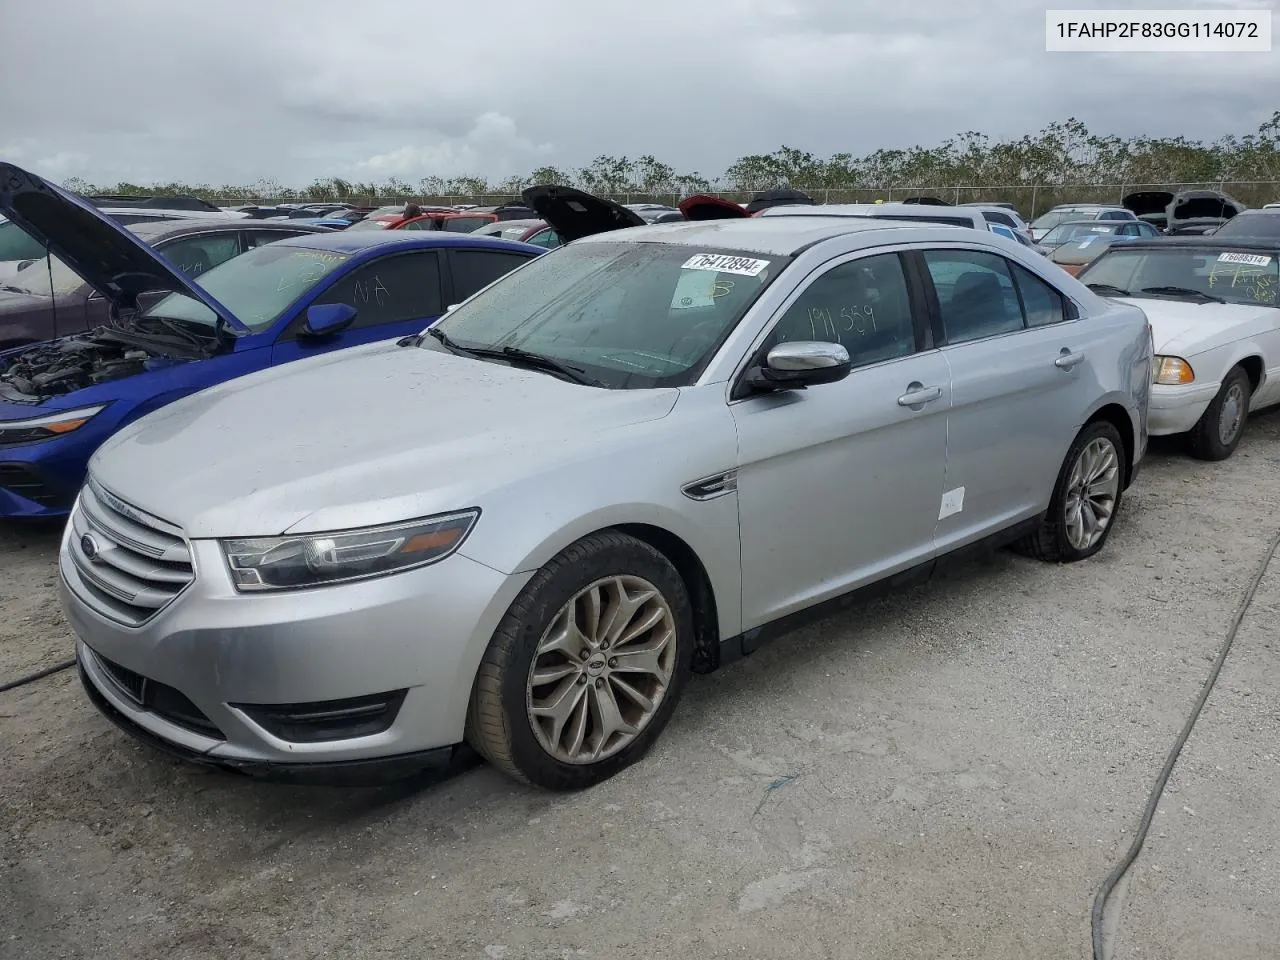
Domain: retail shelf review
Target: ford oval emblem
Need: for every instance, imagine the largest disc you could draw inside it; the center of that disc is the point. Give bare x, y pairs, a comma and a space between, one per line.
89, 546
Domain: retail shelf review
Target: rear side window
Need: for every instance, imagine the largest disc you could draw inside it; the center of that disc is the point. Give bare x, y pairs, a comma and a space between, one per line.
976, 294
1041, 303
475, 269
995, 216
862, 305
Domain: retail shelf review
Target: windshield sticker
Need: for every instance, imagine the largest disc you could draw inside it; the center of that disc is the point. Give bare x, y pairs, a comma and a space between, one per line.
1253, 259
700, 288
723, 263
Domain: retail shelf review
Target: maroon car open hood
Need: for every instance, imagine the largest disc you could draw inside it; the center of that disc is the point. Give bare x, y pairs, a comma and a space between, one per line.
703, 206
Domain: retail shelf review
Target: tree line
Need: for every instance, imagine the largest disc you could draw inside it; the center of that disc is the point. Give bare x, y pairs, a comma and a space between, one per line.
1062, 156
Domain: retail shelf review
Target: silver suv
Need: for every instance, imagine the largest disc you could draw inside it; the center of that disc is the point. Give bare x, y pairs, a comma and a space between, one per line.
639, 455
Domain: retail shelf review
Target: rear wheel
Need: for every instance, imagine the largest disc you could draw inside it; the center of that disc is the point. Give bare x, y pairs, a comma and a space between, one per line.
1218, 432
1085, 498
586, 667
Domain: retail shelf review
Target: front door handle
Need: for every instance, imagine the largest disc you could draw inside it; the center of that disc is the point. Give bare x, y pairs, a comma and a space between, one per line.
1066, 360
918, 395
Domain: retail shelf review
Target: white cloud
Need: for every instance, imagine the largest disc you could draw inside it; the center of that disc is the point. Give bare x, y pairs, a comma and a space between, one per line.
149, 90
492, 146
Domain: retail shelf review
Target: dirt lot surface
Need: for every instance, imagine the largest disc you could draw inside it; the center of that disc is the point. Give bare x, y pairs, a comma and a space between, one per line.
946, 773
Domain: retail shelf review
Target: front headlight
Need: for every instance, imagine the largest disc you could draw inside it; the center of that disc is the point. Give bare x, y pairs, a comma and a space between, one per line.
1172, 371
52, 425
316, 559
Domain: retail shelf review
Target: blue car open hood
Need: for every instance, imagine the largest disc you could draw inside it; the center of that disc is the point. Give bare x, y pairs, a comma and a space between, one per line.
112, 260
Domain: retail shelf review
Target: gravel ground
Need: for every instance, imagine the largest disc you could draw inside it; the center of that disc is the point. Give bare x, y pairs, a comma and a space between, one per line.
945, 773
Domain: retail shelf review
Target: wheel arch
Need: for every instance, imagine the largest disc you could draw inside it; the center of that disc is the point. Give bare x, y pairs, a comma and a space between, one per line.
1118, 416
697, 581
1253, 366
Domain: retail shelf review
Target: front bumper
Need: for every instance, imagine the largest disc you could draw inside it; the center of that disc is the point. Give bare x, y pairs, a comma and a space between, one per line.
227, 657
1176, 409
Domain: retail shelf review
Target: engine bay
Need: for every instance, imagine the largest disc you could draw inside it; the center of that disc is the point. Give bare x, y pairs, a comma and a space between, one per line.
63, 366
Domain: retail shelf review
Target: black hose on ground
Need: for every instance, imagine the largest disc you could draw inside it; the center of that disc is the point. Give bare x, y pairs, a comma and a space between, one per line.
1157, 790
38, 675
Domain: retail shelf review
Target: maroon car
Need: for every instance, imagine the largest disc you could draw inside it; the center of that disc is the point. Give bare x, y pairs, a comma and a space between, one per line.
43, 298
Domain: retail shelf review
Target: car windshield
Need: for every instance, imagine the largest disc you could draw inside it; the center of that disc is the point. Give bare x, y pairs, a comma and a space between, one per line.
1055, 217
629, 315
257, 286
1263, 226
1236, 276
1069, 231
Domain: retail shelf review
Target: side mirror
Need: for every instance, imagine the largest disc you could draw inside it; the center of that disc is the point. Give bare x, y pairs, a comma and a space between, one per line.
326, 319
801, 364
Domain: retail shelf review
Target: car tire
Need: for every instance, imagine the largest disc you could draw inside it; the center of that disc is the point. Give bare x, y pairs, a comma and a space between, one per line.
1217, 433
1069, 530
551, 706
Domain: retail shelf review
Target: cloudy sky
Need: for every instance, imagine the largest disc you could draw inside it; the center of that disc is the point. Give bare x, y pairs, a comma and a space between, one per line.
238, 90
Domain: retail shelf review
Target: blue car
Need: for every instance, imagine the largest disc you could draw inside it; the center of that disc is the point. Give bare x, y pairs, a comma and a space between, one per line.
280, 302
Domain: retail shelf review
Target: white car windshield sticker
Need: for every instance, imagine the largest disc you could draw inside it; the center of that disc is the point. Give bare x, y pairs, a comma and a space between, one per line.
723, 263
695, 289
1254, 259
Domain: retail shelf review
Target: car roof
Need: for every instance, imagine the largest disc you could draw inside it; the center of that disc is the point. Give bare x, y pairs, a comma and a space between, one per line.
1216, 243
344, 241
158, 229
779, 236
915, 211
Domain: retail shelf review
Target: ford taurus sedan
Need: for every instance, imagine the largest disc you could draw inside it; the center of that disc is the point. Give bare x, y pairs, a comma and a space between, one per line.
639, 455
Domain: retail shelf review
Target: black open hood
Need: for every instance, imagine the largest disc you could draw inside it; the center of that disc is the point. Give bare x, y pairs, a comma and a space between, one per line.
703, 206
1147, 202
778, 197
113, 260
574, 214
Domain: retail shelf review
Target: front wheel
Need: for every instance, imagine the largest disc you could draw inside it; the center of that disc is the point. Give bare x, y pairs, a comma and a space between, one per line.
1217, 434
586, 667
1085, 498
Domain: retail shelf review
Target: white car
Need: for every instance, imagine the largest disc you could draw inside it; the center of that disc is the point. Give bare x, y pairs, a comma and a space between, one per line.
1214, 310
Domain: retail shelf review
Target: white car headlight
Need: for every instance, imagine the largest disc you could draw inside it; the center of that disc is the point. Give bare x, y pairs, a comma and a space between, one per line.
316, 559
50, 425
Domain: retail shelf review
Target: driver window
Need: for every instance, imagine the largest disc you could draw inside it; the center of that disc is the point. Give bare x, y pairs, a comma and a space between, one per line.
862, 305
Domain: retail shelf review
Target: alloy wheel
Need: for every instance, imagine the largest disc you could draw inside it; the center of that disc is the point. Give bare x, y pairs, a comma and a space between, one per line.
601, 669
1092, 490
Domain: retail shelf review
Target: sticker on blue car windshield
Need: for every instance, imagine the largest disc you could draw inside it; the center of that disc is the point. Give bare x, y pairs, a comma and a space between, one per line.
1253, 259
723, 263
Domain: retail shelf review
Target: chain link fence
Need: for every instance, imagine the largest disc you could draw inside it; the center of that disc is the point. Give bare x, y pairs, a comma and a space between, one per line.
1030, 199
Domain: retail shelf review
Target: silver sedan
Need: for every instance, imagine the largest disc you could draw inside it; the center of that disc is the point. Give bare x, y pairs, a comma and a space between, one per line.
637, 456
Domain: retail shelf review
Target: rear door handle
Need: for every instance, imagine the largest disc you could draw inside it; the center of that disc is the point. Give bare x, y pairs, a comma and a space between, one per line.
918, 395
1066, 360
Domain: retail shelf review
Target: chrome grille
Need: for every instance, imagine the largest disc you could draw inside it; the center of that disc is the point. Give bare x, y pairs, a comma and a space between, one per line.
130, 564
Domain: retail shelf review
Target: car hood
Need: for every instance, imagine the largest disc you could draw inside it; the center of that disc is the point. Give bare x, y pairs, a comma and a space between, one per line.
363, 436
1142, 202
575, 214
1179, 325
112, 259
705, 207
